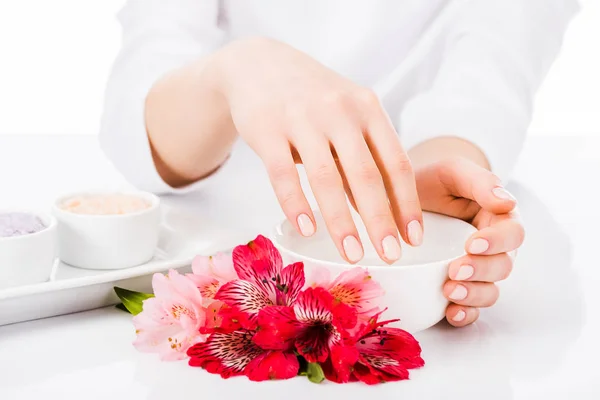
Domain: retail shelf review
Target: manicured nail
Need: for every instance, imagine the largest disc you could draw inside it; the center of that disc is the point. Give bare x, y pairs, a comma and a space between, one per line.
307, 228
503, 194
415, 233
391, 248
352, 248
460, 315
478, 246
459, 293
464, 273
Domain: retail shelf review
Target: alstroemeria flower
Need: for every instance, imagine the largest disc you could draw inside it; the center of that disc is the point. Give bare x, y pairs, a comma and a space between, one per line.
233, 354
170, 322
354, 288
376, 354
210, 273
262, 280
313, 325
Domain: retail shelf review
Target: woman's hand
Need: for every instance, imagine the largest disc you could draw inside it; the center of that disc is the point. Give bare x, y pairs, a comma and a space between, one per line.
462, 189
291, 109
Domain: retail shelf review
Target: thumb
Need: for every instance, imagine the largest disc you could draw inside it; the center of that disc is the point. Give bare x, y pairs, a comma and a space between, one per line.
476, 183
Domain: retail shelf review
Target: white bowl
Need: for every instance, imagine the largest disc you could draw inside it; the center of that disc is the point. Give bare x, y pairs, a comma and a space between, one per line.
413, 285
28, 259
108, 241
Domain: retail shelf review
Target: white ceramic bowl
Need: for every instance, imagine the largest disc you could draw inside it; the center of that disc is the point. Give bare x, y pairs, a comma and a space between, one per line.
108, 241
413, 285
28, 259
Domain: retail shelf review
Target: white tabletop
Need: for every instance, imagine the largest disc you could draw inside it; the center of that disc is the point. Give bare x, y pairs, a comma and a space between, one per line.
540, 341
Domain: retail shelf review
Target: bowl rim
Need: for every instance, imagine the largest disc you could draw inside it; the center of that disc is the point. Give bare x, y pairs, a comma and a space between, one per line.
276, 232
47, 218
154, 204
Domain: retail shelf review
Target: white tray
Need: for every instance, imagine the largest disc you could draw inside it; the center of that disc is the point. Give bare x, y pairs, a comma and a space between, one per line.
73, 289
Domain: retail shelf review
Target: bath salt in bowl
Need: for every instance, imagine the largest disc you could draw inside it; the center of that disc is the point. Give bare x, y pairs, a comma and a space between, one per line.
27, 247
109, 204
413, 285
107, 230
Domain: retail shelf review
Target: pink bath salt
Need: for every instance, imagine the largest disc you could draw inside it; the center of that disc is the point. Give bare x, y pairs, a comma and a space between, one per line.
19, 224
111, 204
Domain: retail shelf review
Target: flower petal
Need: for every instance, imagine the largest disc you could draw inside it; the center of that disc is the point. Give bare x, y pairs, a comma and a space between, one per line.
314, 305
273, 365
341, 363
292, 281
213, 317
385, 368
244, 296
207, 285
319, 277
366, 375
395, 344
219, 266
357, 289
224, 354
313, 310
260, 249
277, 328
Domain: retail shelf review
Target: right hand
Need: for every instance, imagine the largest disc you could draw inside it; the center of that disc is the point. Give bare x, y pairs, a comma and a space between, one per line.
291, 109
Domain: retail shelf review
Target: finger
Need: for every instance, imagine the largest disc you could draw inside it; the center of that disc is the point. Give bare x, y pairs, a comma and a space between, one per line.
396, 171
481, 268
346, 186
286, 184
474, 294
328, 188
368, 191
466, 179
460, 316
501, 236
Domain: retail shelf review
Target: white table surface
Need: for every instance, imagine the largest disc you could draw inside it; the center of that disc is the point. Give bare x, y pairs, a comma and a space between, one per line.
540, 341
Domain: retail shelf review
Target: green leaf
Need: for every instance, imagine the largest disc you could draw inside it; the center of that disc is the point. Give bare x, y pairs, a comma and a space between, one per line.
314, 372
132, 301
121, 307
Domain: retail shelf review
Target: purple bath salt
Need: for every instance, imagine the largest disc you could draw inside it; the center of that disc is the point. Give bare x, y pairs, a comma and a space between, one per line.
19, 224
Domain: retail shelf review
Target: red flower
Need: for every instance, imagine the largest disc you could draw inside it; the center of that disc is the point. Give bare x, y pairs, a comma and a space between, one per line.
263, 282
376, 354
313, 325
233, 354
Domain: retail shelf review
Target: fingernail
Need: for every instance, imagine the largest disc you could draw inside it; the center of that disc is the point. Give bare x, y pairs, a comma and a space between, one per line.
464, 273
460, 315
352, 248
459, 293
307, 228
391, 248
478, 246
415, 233
503, 194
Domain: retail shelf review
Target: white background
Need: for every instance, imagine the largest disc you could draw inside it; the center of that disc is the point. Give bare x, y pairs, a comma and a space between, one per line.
55, 57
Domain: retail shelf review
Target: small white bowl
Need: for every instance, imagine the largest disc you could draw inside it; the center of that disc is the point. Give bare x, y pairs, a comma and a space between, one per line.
413, 285
113, 241
28, 259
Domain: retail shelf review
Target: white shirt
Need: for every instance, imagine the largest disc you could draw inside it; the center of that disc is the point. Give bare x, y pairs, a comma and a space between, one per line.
466, 68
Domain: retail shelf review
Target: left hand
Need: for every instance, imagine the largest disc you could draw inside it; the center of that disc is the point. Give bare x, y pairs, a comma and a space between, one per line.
462, 189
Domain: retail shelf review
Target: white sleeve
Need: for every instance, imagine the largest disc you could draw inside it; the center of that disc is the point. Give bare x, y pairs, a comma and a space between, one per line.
158, 36
496, 53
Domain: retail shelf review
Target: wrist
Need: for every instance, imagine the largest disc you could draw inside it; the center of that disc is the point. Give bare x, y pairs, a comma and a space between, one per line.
446, 147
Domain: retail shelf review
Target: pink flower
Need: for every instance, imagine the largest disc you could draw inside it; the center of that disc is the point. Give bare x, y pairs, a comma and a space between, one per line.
313, 325
170, 322
354, 288
210, 273
262, 279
